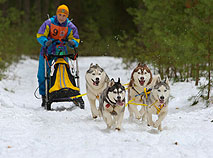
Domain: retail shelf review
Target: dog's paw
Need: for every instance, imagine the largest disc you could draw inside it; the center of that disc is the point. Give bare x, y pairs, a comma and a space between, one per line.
113, 112
150, 124
159, 128
156, 125
95, 113
108, 126
94, 117
138, 117
118, 129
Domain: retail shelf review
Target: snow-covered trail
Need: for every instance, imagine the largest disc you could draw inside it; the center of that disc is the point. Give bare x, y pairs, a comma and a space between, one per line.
27, 130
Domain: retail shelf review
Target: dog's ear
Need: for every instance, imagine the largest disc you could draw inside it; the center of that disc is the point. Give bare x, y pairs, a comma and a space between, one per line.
111, 83
119, 80
91, 64
166, 80
98, 66
156, 79
144, 65
139, 65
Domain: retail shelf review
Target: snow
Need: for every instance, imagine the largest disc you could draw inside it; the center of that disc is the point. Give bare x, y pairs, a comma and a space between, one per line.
29, 131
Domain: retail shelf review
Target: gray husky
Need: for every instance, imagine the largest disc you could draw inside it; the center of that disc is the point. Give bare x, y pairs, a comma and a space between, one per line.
112, 104
96, 81
158, 102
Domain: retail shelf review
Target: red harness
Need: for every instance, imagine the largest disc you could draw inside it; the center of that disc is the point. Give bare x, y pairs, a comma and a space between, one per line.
107, 105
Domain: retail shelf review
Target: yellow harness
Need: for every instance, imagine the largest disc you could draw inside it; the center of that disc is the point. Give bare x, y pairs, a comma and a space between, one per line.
158, 108
146, 94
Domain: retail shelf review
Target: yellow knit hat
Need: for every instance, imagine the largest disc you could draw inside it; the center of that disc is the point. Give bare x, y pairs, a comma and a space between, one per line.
63, 9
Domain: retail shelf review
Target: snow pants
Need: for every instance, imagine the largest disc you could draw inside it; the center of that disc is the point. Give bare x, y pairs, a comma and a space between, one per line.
41, 74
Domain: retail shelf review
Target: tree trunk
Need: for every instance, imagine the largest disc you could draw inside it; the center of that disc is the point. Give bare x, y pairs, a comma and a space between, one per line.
19, 5
168, 72
38, 9
56, 4
46, 7
192, 71
27, 10
187, 73
209, 67
4, 7
197, 75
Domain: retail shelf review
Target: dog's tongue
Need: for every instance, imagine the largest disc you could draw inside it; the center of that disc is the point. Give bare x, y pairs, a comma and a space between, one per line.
142, 82
96, 83
120, 103
161, 101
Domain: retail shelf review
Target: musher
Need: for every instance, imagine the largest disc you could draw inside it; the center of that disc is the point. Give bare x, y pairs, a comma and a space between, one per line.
58, 27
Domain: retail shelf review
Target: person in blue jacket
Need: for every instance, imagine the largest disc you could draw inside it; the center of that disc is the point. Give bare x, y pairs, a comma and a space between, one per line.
58, 27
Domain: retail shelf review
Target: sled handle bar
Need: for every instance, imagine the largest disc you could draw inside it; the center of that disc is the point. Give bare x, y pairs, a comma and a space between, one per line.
60, 56
71, 56
57, 40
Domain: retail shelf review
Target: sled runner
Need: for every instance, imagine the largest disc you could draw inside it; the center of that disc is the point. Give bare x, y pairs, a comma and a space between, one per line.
60, 77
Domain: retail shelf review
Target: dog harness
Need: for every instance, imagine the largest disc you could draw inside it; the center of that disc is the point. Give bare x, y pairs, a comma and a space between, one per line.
159, 108
146, 93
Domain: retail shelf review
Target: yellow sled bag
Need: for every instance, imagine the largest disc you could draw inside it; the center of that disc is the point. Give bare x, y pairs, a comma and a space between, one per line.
62, 83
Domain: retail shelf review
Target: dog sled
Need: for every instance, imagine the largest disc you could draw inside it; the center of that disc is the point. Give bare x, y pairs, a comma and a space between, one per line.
61, 77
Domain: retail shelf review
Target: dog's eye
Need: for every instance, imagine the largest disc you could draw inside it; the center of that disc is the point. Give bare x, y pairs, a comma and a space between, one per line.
145, 73
99, 74
138, 72
93, 74
158, 90
114, 92
165, 90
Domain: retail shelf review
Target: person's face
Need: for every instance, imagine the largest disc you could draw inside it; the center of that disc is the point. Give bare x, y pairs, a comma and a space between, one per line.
61, 18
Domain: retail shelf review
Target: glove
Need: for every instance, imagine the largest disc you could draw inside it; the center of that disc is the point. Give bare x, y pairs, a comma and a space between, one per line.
71, 43
73, 57
48, 43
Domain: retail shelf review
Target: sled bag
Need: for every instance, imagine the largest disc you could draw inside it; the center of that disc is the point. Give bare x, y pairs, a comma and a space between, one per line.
62, 78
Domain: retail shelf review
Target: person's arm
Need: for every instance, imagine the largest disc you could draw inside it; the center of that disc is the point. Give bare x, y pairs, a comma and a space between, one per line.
43, 32
73, 34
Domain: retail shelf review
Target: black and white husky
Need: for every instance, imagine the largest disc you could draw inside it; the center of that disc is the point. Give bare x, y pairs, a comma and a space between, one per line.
158, 102
112, 104
96, 81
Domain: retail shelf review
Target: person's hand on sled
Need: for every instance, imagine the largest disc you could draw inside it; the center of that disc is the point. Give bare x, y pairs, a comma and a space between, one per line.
48, 43
71, 43
73, 56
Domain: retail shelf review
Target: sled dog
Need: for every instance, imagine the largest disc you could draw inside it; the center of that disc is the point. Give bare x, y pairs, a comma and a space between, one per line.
96, 81
112, 104
158, 102
141, 78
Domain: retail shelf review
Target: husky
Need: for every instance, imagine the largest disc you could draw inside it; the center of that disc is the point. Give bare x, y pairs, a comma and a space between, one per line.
112, 104
158, 102
141, 78
96, 81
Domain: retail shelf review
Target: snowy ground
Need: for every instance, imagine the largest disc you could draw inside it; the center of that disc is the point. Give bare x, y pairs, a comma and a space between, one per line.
28, 131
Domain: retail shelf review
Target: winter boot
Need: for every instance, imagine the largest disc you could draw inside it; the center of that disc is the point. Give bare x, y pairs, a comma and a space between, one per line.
43, 100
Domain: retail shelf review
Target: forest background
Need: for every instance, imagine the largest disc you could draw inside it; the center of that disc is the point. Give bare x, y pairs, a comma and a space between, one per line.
175, 37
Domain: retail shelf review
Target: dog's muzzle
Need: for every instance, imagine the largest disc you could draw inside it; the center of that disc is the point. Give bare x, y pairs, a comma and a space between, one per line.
119, 102
161, 99
96, 82
141, 81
